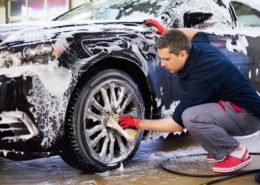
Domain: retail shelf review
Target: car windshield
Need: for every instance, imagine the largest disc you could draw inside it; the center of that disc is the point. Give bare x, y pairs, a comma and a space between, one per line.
116, 10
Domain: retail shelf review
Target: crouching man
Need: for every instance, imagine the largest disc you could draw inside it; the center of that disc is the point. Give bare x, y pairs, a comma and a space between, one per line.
218, 101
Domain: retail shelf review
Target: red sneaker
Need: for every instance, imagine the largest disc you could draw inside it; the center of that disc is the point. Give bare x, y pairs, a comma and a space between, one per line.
231, 163
210, 159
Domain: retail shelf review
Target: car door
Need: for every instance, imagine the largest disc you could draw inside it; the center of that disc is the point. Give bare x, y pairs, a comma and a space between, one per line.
248, 23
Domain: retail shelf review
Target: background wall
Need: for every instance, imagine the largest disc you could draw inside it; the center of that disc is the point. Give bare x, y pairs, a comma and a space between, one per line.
4, 18
2, 12
75, 3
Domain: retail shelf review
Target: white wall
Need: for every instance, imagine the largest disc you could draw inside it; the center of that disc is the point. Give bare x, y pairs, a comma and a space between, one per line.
2, 12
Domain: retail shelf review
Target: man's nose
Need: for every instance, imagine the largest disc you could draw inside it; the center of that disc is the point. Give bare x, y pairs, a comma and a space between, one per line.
162, 63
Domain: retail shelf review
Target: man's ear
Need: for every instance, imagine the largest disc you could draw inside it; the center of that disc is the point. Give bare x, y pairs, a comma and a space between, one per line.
184, 54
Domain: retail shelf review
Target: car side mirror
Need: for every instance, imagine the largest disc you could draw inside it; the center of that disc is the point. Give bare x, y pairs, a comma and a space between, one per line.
199, 20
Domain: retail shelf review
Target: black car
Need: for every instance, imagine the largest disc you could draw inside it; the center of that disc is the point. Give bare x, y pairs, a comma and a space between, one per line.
63, 81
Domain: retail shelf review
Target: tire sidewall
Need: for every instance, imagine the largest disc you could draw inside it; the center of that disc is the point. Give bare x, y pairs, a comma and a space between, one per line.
88, 91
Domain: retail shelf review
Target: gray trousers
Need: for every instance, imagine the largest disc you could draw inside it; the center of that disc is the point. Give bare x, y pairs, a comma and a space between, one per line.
213, 127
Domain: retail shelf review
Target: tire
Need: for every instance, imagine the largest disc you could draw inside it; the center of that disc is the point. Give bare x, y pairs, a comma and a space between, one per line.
89, 144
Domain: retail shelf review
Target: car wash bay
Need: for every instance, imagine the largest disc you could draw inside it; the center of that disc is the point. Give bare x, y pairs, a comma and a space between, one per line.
143, 169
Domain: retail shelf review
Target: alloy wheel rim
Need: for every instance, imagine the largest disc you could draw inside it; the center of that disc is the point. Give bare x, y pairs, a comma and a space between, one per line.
114, 98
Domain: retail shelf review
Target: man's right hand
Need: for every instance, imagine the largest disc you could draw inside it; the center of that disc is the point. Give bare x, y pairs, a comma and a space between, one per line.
160, 28
126, 121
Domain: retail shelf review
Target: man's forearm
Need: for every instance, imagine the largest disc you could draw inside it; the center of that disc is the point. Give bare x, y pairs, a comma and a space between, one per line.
161, 125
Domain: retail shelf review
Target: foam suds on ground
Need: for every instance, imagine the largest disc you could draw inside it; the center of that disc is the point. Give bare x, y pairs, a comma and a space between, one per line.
144, 168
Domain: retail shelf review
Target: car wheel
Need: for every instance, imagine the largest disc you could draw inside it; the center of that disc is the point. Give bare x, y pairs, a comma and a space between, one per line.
91, 145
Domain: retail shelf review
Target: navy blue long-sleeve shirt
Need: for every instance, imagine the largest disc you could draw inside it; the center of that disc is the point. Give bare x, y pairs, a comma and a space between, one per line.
209, 76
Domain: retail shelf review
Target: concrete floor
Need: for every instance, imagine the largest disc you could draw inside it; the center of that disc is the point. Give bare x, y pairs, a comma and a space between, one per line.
143, 169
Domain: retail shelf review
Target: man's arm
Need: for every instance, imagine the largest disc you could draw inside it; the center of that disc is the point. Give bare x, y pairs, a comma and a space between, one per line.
161, 125
189, 32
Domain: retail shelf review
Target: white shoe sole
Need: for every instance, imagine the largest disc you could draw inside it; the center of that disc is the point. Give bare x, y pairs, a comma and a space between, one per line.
214, 160
248, 161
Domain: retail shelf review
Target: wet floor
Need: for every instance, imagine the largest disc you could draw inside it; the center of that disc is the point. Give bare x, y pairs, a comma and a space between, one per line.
143, 169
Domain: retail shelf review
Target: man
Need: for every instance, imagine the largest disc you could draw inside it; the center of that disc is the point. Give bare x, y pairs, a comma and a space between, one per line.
218, 101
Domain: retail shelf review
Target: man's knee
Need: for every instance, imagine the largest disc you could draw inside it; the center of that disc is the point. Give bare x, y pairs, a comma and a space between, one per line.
188, 118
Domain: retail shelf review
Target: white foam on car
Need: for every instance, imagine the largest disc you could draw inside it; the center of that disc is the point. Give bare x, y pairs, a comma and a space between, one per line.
53, 78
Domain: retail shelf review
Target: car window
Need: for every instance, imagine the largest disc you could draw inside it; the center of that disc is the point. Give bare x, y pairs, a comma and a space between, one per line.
115, 10
246, 15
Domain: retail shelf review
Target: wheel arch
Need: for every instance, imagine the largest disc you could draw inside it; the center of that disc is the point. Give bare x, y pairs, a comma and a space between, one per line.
133, 70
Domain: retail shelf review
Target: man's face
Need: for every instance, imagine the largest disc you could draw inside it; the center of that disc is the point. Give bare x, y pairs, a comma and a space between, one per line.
173, 63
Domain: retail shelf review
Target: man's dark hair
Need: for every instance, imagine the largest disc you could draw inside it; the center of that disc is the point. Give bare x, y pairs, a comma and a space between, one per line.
175, 40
